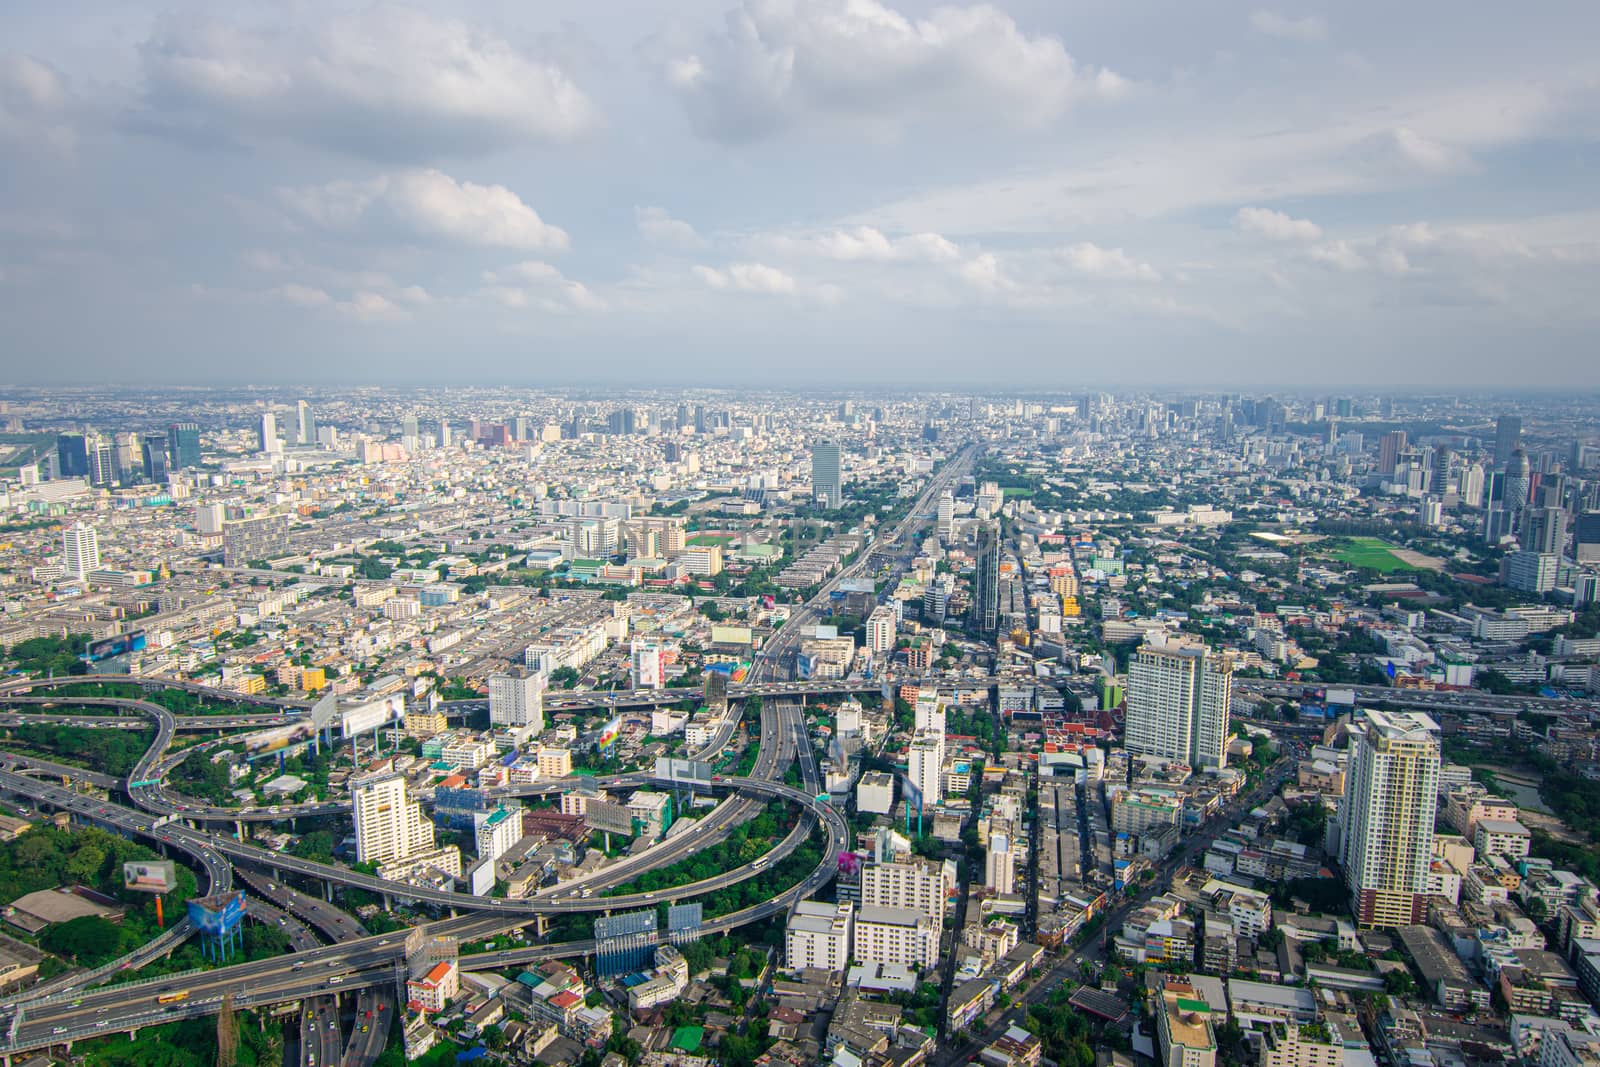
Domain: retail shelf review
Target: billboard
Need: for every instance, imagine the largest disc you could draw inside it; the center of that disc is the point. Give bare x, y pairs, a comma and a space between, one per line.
218, 914
608, 736
150, 876
365, 718
608, 816
115, 645
683, 771
324, 710
259, 744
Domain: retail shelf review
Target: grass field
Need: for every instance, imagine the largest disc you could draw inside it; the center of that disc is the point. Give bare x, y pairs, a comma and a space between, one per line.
704, 539
1373, 552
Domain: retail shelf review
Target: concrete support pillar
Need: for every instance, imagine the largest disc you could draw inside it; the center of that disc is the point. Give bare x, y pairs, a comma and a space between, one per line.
238, 828
327, 892
388, 905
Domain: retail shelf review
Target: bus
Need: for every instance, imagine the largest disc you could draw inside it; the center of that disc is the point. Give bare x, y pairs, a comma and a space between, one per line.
173, 998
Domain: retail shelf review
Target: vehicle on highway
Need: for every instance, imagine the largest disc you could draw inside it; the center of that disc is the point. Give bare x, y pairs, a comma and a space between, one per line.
173, 998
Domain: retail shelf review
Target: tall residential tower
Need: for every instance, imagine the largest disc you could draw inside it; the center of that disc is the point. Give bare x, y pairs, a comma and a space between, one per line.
1385, 822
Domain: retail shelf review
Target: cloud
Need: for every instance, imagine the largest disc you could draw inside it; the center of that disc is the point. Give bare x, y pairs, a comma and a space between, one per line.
1308, 28
34, 104
1275, 225
429, 204
303, 295
1340, 255
370, 307
868, 244
391, 84
1112, 264
658, 227
982, 272
1405, 149
782, 63
538, 284
748, 278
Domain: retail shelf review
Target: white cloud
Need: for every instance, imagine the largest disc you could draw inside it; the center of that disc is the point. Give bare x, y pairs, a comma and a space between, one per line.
303, 295
1306, 28
658, 227
34, 103
1409, 149
747, 277
415, 295
535, 283
982, 272
1109, 263
1275, 225
1339, 254
780, 63
868, 244
370, 307
389, 83
429, 204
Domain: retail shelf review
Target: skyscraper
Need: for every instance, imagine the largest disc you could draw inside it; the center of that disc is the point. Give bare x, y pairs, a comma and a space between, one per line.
1390, 445
72, 455
183, 445
305, 424
1518, 481
102, 461
827, 487
389, 825
153, 455
1507, 437
267, 433
1178, 704
986, 581
1385, 821
517, 699
1545, 531
947, 514
1000, 873
80, 548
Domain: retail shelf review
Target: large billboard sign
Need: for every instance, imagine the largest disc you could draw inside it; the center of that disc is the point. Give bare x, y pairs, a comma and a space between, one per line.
324, 711
608, 816
218, 914
150, 876
364, 718
608, 736
683, 771
259, 744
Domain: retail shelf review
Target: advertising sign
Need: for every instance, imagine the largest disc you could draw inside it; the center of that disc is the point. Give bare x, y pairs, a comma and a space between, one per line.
217, 914
683, 771
608, 735
365, 718
150, 876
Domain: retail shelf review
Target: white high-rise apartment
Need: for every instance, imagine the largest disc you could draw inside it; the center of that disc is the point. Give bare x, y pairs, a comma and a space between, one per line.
517, 699
645, 669
910, 882
880, 629
947, 514
827, 483
267, 433
1178, 702
81, 548
1385, 822
389, 825
1000, 872
897, 936
925, 767
819, 936
929, 711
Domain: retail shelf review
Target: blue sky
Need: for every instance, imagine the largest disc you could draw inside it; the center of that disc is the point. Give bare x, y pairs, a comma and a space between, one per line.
836, 191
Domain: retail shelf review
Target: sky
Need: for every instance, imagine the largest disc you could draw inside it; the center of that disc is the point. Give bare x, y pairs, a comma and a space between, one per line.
1022, 194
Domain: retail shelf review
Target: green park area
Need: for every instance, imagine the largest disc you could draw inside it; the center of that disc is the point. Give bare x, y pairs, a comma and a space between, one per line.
1371, 552
704, 539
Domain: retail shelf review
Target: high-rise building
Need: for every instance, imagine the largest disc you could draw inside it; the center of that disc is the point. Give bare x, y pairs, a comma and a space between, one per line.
645, 664
497, 831
257, 538
517, 699
154, 458
947, 514
1390, 445
102, 461
925, 767
818, 936
267, 433
444, 433
1545, 531
880, 629
1178, 705
183, 445
126, 462
1518, 482
909, 882
305, 424
1586, 538
1471, 492
1385, 821
80, 548
389, 825
1507, 437
827, 486
986, 580
1000, 872
72, 455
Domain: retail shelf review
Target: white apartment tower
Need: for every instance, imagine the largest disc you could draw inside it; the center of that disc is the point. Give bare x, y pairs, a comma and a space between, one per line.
913, 882
1000, 872
389, 825
81, 548
947, 514
646, 664
819, 936
1178, 701
1385, 821
517, 699
880, 629
925, 768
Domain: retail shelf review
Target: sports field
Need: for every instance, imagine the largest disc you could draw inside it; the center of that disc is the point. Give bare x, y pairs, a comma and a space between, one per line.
704, 539
1373, 552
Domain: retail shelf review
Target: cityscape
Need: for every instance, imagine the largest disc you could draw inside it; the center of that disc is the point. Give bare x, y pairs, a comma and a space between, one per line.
688, 727
799, 533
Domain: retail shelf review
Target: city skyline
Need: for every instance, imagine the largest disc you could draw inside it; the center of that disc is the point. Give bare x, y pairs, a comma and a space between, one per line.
769, 192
